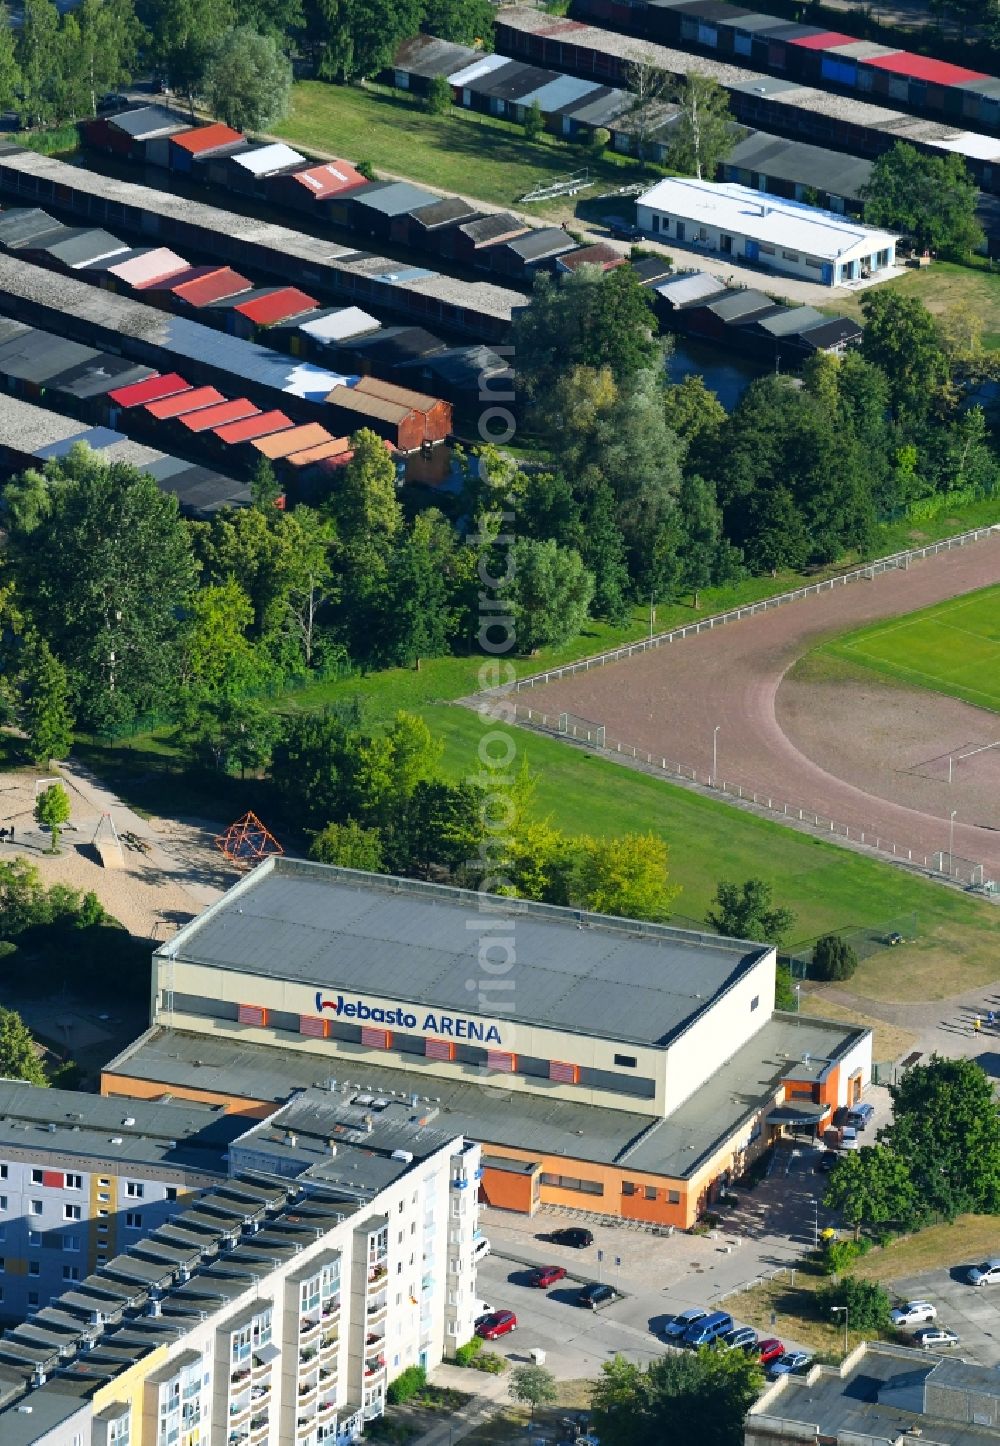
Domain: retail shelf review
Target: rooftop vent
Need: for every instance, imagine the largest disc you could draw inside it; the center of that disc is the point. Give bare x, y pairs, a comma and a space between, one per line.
129, 1120
117, 1140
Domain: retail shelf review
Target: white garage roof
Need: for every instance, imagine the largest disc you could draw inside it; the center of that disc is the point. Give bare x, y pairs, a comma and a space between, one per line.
766, 218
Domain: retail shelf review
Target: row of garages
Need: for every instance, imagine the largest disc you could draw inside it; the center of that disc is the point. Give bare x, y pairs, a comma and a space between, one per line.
702, 306
345, 342
33, 363
777, 104
812, 55
397, 213
509, 89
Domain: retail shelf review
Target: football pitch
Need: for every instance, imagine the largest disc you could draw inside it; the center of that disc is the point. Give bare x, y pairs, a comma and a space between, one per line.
953, 647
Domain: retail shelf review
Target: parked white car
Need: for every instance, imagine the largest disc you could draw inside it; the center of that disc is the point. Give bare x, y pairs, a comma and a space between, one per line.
914, 1312
932, 1338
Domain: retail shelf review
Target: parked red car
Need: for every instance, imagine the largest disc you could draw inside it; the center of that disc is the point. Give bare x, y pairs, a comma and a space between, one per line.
770, 1350
547, 1275
500, 1323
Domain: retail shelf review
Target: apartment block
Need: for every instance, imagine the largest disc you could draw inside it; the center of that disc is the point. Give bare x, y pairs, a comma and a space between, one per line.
275, 1309
82, 1178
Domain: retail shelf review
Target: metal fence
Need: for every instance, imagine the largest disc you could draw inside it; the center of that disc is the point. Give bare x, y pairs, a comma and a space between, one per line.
869, 571
864, 939
591, 734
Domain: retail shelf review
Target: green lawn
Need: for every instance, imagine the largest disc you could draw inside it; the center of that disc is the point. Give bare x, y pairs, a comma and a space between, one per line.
945, 286
476, 155
827, 887
953, 647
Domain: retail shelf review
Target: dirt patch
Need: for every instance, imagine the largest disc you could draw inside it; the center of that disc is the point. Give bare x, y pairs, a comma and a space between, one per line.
169, 875
670, 701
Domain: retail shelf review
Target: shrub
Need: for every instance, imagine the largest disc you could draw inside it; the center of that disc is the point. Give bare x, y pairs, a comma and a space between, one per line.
465, 1355
366, 169
438, 99
494, 1365
598, 140
838, 1255
868, 1305
833, 958
406, 1384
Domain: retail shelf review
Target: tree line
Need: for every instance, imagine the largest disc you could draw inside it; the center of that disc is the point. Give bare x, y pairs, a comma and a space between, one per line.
236, 55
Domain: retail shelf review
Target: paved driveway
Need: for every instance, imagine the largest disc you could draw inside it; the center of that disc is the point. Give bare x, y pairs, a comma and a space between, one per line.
973, 1314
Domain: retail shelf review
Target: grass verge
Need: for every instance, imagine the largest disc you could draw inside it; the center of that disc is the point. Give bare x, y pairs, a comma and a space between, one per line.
889, 1042
827, 887
477, 155
952, 647
945, 287
966, 1240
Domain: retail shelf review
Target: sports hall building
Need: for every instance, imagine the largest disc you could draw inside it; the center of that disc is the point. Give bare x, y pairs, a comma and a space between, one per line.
619, 1067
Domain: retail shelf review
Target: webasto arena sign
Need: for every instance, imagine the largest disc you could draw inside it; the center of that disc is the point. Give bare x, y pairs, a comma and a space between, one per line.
448, 1026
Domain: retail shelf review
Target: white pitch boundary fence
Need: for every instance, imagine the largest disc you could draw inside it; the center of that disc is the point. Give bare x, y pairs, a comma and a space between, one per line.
868, 572
594, 735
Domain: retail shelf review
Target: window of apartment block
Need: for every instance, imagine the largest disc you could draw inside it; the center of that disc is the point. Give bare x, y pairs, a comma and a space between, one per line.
72, 1212
171, 1192
134, 1190
33, 1297
71, 1272
3, 1265
34, 1267
133, 1220
673, 1197
3, 1233
120, 1433
71, 1243
36, 1177
34, 1207
3, 1202
102, 1181
1, 1295
626, 1061
74, 1182
34, 1237
3, 1172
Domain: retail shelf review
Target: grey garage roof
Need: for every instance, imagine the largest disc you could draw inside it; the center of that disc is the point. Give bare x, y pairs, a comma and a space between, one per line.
801, 164
338, 928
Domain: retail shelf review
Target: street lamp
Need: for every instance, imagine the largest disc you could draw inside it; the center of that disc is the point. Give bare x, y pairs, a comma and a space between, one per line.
838, 1310
951, 844
715, 750
798, 999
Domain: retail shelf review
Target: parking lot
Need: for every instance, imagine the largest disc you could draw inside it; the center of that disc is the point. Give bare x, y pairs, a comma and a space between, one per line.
973, 1314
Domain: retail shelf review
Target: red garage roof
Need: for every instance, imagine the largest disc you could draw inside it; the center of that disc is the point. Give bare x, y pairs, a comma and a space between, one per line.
206, 138
202, 291
921, 67
188, 401
824, 41
139, 393
286, 302
252, 427
207, 418
322, 181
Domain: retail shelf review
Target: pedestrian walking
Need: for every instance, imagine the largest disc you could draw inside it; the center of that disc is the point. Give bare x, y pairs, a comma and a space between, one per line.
991, 1019
977, 1024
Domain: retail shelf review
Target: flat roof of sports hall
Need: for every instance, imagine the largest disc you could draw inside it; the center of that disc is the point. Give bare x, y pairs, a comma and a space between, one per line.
419, 943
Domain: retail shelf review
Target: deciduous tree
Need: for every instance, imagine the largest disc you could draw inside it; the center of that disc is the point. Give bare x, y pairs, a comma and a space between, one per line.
47, 715
931, 198
649, 1405
746, 911
248, 80
105, 581
705, 131
946, 1126
463, 22
549, 594
19, 1056
626, 876
871, 1186
350, 846
533, 1386
52, 810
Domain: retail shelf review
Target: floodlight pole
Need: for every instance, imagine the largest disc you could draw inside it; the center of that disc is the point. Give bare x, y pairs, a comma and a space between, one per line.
715, 751
951, 844
842, 1310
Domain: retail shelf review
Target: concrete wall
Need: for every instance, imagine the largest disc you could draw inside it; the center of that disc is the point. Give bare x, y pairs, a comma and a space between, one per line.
715, 1037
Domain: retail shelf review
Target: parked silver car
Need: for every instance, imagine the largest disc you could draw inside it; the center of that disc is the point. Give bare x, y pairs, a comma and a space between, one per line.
986, 1274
